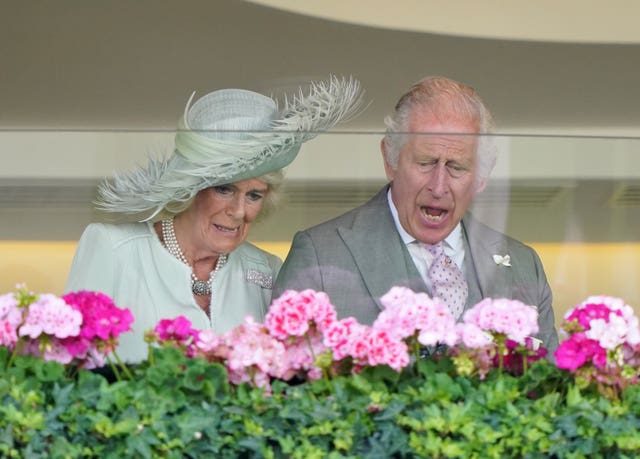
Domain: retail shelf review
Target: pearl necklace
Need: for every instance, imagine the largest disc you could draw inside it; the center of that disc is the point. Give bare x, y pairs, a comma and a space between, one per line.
198, 287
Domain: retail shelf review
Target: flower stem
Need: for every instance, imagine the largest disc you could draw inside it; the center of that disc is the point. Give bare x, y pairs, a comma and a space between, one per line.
114, 368
13, 355
123, 367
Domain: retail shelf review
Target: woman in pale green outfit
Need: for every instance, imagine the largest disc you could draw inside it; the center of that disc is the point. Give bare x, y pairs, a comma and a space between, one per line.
187, 254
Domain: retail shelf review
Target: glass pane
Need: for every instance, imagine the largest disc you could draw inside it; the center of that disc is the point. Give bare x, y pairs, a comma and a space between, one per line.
575, 200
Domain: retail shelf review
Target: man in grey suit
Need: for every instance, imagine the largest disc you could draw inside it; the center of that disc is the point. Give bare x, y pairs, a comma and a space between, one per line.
436, 159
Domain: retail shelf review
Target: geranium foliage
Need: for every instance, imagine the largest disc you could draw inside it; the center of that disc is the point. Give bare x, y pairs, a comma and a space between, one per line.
305, 384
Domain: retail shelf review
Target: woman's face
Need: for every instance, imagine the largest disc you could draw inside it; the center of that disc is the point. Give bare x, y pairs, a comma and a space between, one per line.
220, 216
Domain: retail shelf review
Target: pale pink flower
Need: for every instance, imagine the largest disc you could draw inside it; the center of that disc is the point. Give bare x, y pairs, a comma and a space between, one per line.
51, 350
397, 296
294, 313
57, 352
384, 350
435, 323
400, 311
473, 336
92, 357
8, 303
512, 318
407, 313
207, 340
609, 333
252, 352
300, 355
343, 336
323, 313
52, 316
288, 315
10, 319
633, 334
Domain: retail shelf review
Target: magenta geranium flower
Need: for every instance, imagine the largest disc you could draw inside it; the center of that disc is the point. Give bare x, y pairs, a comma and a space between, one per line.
601, 344
79, 328
102, 323
101, 317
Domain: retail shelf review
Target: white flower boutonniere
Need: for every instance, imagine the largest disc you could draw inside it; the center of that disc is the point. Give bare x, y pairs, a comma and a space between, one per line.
502, 260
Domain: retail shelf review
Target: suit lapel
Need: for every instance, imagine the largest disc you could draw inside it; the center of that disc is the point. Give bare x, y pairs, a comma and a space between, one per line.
381, 256
383, 259
481, 244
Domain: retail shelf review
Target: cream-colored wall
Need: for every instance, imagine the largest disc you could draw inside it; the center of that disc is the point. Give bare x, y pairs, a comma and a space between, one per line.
543, 20
44, 265
575, 271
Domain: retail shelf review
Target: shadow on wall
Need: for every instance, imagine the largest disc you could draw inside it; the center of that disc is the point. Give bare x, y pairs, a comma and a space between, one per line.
575, 271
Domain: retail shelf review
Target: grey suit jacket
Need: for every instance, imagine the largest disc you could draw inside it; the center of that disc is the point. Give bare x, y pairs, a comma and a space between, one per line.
357, 257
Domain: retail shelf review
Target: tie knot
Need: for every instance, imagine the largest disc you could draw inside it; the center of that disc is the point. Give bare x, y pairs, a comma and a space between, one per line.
435, 249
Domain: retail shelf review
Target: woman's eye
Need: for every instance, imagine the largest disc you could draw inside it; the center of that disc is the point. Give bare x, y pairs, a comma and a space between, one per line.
222, 189
255, 196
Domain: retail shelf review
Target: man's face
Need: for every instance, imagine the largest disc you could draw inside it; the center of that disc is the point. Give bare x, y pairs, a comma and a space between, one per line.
436, 176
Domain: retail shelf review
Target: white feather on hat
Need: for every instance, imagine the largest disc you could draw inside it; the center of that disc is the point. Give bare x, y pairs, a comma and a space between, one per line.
227, 136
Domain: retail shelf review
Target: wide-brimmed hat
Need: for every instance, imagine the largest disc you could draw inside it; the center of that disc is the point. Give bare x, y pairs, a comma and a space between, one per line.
227, 136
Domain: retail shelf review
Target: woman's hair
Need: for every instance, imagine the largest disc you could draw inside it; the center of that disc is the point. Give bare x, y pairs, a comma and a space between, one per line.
440, 95
273, 179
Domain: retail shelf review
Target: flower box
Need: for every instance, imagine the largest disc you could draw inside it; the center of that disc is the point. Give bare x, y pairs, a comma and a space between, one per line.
195, 398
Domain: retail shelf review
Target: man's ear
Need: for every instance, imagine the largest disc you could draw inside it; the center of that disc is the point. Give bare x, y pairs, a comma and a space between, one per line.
388, 170
481, 184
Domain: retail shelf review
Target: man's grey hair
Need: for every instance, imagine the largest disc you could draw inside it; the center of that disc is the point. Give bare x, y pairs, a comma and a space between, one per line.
441, 95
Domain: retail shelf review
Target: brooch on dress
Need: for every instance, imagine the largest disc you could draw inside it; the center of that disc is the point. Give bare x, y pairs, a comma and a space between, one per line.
264, 280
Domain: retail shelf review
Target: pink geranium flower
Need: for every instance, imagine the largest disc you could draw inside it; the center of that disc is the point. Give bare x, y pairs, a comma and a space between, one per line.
78, 328
50, 315
345, 339
10, 319
254, 355
473, 336
383, 349
293, 313
407, 313
102, 323
572, 353
101, 317
300, 358
601, 342
511, 318
178, 329
302, 337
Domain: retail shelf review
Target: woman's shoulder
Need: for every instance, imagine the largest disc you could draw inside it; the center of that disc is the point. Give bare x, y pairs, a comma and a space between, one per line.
118, 233
251, 253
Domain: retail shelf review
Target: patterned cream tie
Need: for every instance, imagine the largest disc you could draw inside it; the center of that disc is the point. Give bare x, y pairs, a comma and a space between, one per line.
447, 281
